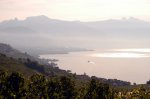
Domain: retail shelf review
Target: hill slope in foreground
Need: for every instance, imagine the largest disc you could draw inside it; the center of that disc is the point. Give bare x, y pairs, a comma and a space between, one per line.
14, 60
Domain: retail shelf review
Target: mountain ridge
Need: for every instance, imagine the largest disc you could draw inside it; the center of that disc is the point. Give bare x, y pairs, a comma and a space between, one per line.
53, 25
42, 32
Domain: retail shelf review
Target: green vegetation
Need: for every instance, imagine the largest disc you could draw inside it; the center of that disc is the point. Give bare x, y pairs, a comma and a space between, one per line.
28, 67
16, 86
12, 65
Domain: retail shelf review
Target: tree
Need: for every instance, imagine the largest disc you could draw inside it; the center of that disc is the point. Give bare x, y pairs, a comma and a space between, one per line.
91, 91
3, 85
37, 86
68, 87
97, 90
15, 85
102, 91
54, 89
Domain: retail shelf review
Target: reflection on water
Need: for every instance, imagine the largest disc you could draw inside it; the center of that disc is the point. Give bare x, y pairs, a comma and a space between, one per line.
132, 50
120, 55
125, 64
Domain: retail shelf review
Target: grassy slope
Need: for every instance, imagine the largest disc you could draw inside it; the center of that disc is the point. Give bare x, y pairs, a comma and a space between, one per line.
11, 65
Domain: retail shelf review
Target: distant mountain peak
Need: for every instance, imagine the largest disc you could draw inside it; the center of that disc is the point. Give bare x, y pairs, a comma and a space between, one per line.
40, 17
129, 18
10, 21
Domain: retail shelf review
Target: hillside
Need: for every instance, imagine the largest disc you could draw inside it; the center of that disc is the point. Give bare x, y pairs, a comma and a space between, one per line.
24, 62
13, 65
29, 68
11, 52
13, 60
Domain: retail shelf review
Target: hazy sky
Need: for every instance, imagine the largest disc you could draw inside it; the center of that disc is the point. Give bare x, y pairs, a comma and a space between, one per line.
84, 10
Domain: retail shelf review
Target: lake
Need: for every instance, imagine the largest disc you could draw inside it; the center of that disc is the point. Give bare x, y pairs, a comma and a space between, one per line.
124, 64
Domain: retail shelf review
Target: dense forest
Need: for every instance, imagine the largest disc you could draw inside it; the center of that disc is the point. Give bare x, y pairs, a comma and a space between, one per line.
16, 86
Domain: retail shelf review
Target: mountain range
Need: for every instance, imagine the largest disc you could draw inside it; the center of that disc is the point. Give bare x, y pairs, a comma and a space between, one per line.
57, 35
43, 24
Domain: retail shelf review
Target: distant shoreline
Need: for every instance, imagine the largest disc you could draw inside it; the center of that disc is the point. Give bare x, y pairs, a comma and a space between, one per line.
56, 53
66, 52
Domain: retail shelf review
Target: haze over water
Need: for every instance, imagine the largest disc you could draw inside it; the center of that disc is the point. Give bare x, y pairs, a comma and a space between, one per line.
124, 64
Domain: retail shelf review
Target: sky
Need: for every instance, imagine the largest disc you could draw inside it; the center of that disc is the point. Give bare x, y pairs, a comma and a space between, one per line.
82, 10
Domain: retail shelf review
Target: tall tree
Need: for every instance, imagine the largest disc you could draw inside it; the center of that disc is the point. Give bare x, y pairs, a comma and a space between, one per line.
16, 85
37, 86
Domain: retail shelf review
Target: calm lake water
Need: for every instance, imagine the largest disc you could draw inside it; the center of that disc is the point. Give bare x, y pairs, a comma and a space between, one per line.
125, 64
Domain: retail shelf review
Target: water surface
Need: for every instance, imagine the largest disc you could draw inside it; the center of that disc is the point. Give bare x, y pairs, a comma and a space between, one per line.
125, 64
